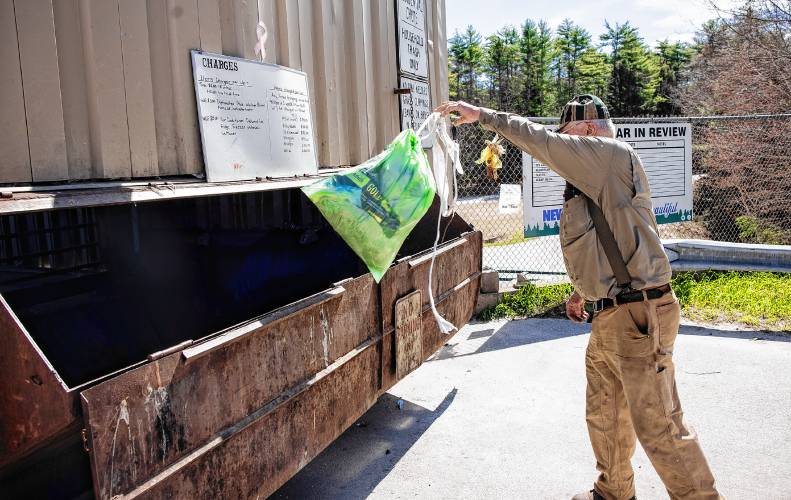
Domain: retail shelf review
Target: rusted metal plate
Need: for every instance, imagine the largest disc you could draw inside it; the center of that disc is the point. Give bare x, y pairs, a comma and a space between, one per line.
35, 404
408, 333
150, 418
456, 283
456, 261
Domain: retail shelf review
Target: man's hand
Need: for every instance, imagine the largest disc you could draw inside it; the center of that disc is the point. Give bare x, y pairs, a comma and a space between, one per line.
467, 112
575, 308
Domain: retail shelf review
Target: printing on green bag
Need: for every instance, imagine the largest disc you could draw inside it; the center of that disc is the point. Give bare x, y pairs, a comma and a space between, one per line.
376, 205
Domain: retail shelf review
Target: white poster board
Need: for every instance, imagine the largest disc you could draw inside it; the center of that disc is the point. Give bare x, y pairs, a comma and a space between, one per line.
510, 199
665, 150
255, 119
411, 26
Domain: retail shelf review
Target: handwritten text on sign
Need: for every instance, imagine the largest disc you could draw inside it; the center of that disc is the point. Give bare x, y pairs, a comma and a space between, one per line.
255, 119
415, 106
510, 199
412, 55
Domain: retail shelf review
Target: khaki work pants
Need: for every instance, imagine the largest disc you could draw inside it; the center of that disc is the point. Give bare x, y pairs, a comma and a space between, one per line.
632, 393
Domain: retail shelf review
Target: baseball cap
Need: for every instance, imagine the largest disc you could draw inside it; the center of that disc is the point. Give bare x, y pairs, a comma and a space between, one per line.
581, 108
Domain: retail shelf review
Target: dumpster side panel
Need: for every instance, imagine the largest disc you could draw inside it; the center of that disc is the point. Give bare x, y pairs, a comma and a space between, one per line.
36, 404
239, 413
144, 420
254, 457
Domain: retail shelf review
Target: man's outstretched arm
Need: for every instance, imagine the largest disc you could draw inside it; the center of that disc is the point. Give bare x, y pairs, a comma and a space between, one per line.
580, 160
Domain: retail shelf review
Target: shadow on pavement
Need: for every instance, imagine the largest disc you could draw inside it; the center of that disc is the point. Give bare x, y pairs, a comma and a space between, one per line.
513, 333
355, 463
493, 336
706, 331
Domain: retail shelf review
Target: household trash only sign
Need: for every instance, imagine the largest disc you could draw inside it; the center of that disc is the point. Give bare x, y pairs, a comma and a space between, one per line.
666, 152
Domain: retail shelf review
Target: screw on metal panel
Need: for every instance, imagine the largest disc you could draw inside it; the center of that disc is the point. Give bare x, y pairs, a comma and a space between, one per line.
85, 446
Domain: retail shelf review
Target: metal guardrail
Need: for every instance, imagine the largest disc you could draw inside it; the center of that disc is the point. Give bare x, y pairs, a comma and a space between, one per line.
696, 255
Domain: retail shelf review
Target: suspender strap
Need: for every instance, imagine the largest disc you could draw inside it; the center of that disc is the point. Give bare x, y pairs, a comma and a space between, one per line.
611, 250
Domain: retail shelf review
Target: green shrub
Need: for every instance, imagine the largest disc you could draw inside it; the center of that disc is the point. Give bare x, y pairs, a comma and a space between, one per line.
755, 298
753, 230
530, 300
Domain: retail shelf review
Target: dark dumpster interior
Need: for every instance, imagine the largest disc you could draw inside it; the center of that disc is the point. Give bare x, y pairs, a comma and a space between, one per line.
101, 288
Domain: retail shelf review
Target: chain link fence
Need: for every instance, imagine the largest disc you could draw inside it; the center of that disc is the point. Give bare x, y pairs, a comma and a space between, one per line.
741, 180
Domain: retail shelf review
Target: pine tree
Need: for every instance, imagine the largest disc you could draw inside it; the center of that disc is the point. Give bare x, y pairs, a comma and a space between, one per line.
465, 56
673, 59
535, 49
571, 43
500, 67
633, 80
455, 57
594, 73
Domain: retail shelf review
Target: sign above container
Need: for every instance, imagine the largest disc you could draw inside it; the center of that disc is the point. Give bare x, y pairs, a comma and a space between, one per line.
411, 26
415, 106
413, 81
255, 119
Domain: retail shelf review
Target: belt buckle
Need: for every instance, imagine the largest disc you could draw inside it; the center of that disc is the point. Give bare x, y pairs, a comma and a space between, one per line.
596, 306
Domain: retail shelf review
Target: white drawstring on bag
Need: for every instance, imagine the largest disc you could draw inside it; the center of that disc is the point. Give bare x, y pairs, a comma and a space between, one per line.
447, 190
260, 36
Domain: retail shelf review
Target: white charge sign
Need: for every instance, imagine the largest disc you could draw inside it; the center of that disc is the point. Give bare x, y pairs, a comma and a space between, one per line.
665, 150
255, 118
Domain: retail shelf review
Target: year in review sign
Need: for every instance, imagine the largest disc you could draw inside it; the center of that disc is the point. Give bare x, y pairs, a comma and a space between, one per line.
665, 150
255, 118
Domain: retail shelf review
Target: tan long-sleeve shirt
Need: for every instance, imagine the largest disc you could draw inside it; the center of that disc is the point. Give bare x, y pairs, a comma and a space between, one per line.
610, 173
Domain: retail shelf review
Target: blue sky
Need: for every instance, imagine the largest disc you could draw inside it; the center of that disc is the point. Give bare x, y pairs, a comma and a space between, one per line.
656, 19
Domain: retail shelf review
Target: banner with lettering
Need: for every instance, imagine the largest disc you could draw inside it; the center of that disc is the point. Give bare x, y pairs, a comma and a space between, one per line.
666, 152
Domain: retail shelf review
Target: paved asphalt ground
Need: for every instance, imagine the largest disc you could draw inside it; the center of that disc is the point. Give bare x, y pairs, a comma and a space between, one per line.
499, 413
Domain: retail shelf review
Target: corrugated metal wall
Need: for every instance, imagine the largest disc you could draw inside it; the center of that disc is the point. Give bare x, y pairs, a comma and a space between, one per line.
102, 89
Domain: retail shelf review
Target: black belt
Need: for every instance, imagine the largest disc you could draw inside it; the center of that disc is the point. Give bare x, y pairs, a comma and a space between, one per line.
633, 296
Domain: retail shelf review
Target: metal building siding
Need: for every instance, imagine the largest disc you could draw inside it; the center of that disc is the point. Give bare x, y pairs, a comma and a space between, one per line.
102, 89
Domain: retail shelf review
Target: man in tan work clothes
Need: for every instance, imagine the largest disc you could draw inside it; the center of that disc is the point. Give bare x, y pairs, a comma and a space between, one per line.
631, 384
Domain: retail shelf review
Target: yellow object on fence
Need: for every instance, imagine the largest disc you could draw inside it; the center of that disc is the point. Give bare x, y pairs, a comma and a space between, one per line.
490, 155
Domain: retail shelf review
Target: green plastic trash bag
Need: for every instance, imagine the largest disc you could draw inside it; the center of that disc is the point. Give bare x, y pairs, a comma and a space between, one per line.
375, 205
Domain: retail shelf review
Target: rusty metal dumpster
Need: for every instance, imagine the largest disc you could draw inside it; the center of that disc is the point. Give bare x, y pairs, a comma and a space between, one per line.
199, 341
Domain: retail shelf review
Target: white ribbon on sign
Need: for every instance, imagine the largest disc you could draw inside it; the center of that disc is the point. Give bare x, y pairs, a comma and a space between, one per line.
260, 46
446, 166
